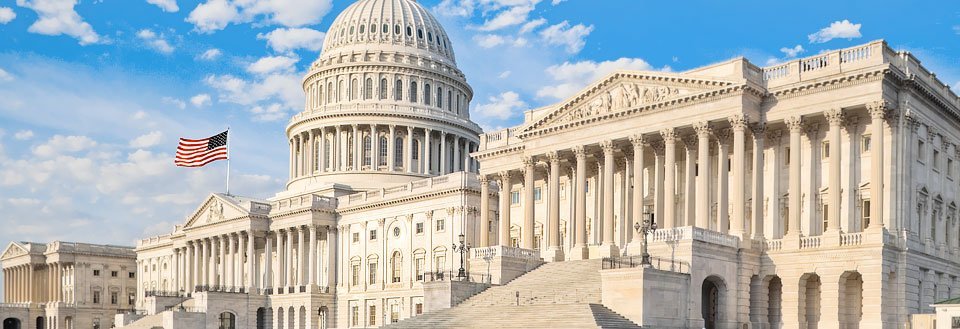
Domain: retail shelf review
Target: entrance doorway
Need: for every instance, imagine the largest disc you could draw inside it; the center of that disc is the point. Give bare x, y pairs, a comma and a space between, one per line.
712, 293
40, 322
11, 323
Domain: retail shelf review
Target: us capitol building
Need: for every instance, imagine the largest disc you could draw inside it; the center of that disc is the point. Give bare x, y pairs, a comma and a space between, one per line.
816, 193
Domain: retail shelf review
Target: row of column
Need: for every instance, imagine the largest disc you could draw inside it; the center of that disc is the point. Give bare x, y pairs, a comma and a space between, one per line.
727, 194
25, 284
329, 149
381, 89
18, 283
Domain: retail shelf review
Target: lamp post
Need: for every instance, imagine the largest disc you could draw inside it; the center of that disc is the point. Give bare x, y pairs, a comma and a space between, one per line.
462, 248
649, 225
183, 299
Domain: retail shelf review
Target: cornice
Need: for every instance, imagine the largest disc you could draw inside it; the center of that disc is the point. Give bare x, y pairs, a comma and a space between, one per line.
418, 197
473, 134
516, 148
829, 83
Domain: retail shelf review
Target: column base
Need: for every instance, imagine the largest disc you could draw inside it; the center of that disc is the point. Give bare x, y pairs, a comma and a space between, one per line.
579, 252
831, 238
791, 241
552, 254
634, 248
609, 250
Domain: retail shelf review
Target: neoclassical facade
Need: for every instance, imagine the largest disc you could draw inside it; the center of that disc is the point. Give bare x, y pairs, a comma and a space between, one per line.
66, 285
821, 192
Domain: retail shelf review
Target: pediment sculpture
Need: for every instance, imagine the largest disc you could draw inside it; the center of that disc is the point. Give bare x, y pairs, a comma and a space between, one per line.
625, 95
215, 211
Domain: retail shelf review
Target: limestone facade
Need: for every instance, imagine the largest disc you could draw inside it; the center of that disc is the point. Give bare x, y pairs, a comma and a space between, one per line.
66, 285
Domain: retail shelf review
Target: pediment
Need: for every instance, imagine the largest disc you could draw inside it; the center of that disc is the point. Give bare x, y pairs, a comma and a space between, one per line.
215, 209
13, 250
623, 91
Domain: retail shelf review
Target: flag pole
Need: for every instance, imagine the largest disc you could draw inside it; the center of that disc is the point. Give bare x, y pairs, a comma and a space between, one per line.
228, 160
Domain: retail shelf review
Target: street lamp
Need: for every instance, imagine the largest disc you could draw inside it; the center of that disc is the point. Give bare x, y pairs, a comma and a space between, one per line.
649, 225
183, 299
462, 248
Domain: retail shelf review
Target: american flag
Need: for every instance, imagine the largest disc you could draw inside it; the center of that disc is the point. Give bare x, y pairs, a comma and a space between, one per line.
199, 152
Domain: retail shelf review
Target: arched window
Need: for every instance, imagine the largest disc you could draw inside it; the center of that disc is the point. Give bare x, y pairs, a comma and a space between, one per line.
383, 152
383, 88
351, 30
368, 89
398, 92
396, 29
429, 36
413, 92
439, 97
319, 94
386, 29
329, 92
341, 92
416, 150
361, 28
426, 94
366, 151
398, 151
228, 320
449, 99
457, 105
419, 34
327, 157
354, 89
397, 264
409, 31
350, 150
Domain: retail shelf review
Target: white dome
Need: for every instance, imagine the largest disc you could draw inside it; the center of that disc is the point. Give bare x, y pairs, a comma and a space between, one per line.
388, 24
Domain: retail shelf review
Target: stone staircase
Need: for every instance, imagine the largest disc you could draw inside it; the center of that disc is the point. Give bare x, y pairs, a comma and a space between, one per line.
555, 295
147, 322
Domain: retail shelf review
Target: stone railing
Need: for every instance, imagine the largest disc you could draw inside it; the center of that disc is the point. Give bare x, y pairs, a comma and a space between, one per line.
307, 201
379, 108
457, 179
694, 233
832, 62
810, 242
774, 245
14, 305
504, 251
499, 138
851, 239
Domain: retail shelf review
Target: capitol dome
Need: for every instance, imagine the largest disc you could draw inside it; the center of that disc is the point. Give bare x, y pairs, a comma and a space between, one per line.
385, 103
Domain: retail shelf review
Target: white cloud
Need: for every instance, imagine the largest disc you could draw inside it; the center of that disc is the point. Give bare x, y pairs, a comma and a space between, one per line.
572, 77
267, 95
169, 6
23, 202
271, 64
139, 115
155, 41
489, 40
454, 8
502, 106
210, 54
56, 17
200, 100
839, 29
956, 28
215, 15
272, 112
504, 74
6, 15
283, 39
531, 25
147, 140
792, 52
571, 37
23, 135
58, 145
556, 2
513, 16
5, 76
179, 103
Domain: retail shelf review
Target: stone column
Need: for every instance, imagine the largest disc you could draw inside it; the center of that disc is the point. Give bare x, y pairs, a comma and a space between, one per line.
638, 187
835, 119
504, 208
408, 151
293, 160
374, 149
703, 174
230, 262
357, 148
723, 187
658, 155
392, 148
456, 153
737, 228
176, 269
205, 261
689, 187
281, 279
289, 266
312, 261
222, 268
332, 254
669, 177
527, 236
443, 153
580, 250
608, 248
251, 262
194, 266
554, 253
758, 131
484, 211
336, 153
795, 125
311, 158
267, 283
322, 151
878, 111
301, 257
427, 169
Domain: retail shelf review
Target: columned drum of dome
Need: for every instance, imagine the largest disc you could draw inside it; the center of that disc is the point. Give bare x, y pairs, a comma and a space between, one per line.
385, 103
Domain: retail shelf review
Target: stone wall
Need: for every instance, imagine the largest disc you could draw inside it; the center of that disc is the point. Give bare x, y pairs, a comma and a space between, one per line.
647, 296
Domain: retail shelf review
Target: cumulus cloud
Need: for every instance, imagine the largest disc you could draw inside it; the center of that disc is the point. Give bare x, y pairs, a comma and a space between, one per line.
284, 39
200, 100
5, 76
214, 15
502, 106
511, 17
56, 17
23, 135
505, 74
271, 112
572, 77
210, 54
271, 64
489, 40
179, 103
147, 140
532, 25
792, 52
563, 34
273, 94
169, 6
155, 41
6, 15
58, 145
837, 30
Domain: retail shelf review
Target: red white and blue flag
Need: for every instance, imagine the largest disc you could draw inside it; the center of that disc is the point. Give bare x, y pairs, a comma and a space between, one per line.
199, 152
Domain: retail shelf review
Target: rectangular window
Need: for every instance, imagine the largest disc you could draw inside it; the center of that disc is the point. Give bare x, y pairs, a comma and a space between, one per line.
563, 191
949, 167
131, 298
865, 213
418, 308
373, 234
440, 225
355, 315
538, 194
786, 155
372, 268
586, 187
420, 228
920, 150
441, 263
96, 297
96, 272
356, 237
372, 315
114, 298
825, 150
826, 216
515, 197
131, 275
936, 159
356, 274
113, 274
418, 267
865, 144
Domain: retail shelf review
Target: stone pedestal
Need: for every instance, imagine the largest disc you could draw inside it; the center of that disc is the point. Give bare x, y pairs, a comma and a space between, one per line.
501, 264
640, 294
609, 250
438, 295
579, 253
791, 241
553, 254
830, 238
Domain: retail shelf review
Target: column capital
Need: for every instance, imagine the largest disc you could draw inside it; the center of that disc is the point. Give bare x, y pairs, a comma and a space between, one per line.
738, 122
834, 117
878, 108
429, 214
528, 161
794, 124
657, 147
637, 140
758, 129
504, 177
703, 129
580, 152
774, 135
690, 142
553, 157
669, 135
723, 135
483, 179
607, 147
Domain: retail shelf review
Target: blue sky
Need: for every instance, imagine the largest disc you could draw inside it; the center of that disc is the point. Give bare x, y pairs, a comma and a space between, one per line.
93, 94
